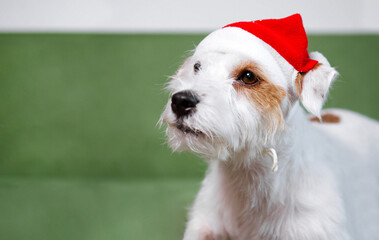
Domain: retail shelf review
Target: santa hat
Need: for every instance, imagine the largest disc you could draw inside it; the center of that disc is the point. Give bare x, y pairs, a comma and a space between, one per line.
286, 35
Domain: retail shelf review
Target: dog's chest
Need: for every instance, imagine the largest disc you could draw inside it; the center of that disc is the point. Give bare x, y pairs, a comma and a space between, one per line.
244, 204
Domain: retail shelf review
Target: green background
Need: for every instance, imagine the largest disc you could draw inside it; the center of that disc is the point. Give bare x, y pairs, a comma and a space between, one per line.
81, 156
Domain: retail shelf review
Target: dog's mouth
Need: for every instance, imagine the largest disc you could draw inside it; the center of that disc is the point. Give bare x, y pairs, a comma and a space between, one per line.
184, 128
188, 130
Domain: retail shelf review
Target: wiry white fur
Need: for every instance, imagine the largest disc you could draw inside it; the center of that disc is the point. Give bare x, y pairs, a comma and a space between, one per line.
316, 85
326, 184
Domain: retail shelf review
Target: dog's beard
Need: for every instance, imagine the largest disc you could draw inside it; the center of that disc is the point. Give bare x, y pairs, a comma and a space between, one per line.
186, 135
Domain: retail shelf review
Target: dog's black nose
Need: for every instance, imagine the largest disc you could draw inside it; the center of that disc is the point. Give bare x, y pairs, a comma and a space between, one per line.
183, 103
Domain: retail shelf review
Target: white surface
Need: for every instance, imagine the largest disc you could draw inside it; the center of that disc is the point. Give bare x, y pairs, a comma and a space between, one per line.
181, 16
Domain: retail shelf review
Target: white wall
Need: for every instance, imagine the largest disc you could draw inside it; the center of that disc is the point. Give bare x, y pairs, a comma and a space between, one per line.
181, 16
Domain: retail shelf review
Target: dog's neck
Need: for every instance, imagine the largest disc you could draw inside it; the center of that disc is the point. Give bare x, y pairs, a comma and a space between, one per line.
257, 179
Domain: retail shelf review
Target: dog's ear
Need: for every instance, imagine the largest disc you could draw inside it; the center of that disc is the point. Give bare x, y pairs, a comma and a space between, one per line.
313, 86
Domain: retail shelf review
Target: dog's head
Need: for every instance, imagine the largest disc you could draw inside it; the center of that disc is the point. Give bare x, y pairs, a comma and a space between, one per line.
235, 92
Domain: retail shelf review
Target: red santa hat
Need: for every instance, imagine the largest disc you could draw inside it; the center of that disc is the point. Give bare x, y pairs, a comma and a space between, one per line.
286, 35
259, 39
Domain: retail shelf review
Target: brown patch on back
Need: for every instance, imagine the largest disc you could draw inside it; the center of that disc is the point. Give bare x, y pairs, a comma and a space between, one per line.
265, 94
326, 118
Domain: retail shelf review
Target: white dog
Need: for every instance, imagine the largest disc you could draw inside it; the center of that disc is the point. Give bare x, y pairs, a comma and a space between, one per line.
235, 102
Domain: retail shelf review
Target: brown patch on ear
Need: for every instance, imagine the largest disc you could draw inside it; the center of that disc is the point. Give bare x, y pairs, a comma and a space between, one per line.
264, 94
316, 66
300, 79
326, 118
299, 84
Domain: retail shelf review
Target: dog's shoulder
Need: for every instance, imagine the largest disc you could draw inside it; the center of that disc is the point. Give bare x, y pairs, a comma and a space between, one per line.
352, 130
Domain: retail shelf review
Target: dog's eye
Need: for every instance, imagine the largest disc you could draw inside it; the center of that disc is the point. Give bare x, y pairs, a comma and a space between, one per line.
248, 78
197, 67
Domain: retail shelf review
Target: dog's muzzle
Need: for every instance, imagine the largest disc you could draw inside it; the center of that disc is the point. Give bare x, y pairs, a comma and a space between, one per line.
184, 103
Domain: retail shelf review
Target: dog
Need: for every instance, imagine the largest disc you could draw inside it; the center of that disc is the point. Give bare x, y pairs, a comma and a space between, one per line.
274, 171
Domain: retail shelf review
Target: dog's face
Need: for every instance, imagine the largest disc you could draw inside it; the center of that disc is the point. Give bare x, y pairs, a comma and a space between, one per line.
223, 103
233, 95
